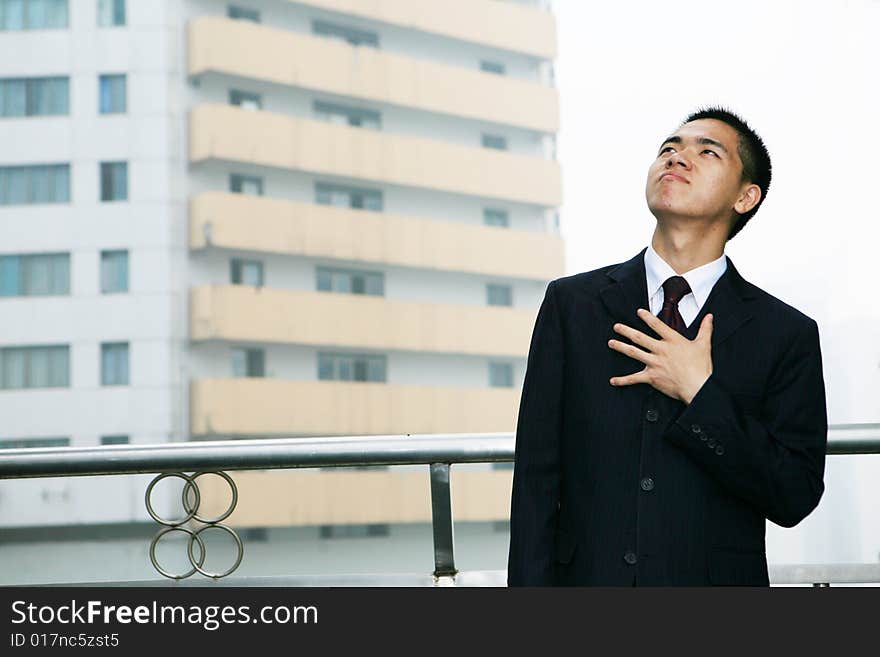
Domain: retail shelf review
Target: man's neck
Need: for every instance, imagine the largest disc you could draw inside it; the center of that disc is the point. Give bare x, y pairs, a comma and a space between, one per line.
686, 248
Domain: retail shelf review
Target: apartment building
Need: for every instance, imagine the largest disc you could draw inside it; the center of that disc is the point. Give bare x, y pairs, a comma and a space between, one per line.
267, 218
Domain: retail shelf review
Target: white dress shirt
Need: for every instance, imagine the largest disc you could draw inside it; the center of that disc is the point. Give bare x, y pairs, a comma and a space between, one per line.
701, 279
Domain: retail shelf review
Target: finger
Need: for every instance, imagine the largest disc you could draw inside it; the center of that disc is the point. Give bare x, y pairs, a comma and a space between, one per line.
637, 336
633, 352
706, 327
659, 326
638, 377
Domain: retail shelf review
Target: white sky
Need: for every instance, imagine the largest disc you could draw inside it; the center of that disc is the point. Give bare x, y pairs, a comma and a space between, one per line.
804, 74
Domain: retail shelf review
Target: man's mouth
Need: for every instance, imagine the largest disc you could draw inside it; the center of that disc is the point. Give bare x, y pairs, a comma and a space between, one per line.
673, 176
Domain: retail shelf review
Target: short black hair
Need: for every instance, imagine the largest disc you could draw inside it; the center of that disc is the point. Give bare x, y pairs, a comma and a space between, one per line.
752, 152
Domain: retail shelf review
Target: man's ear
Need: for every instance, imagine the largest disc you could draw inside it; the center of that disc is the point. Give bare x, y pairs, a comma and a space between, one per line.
748, 199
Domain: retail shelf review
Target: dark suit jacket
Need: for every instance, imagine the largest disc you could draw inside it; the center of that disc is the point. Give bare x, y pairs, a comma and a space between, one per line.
625, 485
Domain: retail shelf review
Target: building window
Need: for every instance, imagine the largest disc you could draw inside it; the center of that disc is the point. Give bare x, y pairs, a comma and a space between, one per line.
496, 142
33, 14
348, 197
112, 98
350, 281
37, 274
114, 181
495, 217
355, 531
29, 185
111, 13
350, 35
246, 272
34, 97
114, 271
35, 367
114, 364
243, 13
353, 116
248, 362
501, 375
492, 67
115, 440
499, 295
351, 367
245, 184
29, 443
245, 99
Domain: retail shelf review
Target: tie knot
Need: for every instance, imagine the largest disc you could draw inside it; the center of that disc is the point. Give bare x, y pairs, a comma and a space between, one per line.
674, 289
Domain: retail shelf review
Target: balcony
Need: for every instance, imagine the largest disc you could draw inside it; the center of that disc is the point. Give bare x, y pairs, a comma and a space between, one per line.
232, 134
263, 225
502, 25
326, 319
257, 406
343, 496
318, 64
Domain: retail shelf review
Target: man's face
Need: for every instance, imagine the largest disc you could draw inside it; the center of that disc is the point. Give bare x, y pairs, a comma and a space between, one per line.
697, 173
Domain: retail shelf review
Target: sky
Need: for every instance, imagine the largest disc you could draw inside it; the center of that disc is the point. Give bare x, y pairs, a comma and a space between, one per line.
804, 75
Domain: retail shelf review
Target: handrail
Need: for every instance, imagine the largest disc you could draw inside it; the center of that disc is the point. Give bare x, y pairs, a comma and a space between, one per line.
264, 454
439, 451
312, 452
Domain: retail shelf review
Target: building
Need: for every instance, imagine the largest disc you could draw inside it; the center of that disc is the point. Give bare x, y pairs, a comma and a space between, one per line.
266, 218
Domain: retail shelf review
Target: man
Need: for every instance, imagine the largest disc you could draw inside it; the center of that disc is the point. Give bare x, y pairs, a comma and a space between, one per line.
669, 406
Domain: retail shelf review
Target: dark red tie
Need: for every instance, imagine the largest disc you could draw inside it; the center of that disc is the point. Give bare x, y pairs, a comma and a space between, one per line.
674, 290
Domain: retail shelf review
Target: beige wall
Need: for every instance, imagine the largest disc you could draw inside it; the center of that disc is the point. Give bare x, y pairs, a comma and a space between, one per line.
250, 223
246, 313
231, 133
312, 497
302, 60
503, 25
256, 406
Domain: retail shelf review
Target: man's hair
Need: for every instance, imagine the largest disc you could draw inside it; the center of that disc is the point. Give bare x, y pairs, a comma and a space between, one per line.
752, 152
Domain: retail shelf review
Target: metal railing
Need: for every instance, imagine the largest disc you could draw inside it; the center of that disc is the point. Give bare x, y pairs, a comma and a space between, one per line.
438, 451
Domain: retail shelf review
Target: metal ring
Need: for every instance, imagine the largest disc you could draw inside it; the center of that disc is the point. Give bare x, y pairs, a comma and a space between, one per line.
190, 513
192, 537
195, 537
192, 484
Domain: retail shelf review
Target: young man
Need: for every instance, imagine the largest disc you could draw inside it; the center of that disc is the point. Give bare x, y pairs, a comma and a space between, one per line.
669, 406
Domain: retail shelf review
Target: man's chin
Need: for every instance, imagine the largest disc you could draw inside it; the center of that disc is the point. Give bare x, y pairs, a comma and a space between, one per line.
672, 214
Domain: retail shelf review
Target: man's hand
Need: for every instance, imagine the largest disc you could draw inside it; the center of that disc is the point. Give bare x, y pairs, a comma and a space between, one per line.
674, 365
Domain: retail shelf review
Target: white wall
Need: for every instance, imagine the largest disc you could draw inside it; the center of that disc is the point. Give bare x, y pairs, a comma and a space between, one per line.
300, 363
406, 284
406, 201
150, 408
214, 87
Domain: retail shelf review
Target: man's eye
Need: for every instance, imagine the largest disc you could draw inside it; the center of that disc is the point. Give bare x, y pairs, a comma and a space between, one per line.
709, 150
667, 148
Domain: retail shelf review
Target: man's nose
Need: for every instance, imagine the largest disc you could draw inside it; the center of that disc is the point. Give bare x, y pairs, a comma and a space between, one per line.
678, 159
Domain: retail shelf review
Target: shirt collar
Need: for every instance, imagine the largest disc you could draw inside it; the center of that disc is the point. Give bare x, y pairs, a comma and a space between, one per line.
701, 279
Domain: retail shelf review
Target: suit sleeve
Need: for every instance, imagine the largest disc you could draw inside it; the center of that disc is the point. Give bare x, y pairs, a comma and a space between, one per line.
776, 463
536, 473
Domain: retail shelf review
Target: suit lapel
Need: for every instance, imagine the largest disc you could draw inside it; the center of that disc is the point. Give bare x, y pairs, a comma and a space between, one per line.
627, 291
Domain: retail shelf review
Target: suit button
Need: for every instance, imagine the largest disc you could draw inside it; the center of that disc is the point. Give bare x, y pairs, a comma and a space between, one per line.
630, 558
719, 450
647, 484
651, 415
711, 443
695, 428
704, 437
